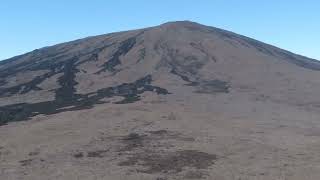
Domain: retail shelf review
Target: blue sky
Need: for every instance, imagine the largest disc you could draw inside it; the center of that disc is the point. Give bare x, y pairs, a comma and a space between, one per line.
26, 25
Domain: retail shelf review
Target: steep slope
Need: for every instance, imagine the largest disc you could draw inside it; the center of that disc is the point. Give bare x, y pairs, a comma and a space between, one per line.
181, 100
80, 73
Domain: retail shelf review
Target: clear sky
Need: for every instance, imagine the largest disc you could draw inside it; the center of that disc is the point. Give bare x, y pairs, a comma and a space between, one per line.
29, 24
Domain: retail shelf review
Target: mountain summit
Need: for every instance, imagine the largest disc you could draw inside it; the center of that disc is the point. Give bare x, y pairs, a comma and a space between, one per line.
179, 100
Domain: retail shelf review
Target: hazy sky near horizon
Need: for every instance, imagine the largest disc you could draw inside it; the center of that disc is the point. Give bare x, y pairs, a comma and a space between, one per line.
27, 25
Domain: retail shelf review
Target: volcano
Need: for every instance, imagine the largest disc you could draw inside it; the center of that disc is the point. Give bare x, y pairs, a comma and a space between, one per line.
176, 101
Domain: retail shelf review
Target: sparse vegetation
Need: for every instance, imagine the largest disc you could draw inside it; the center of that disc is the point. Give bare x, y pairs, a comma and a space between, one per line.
171, 162
78, 155
96, 154
26, 162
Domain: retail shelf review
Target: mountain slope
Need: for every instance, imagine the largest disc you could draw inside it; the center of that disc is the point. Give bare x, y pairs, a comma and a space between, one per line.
181, 100
78, 69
